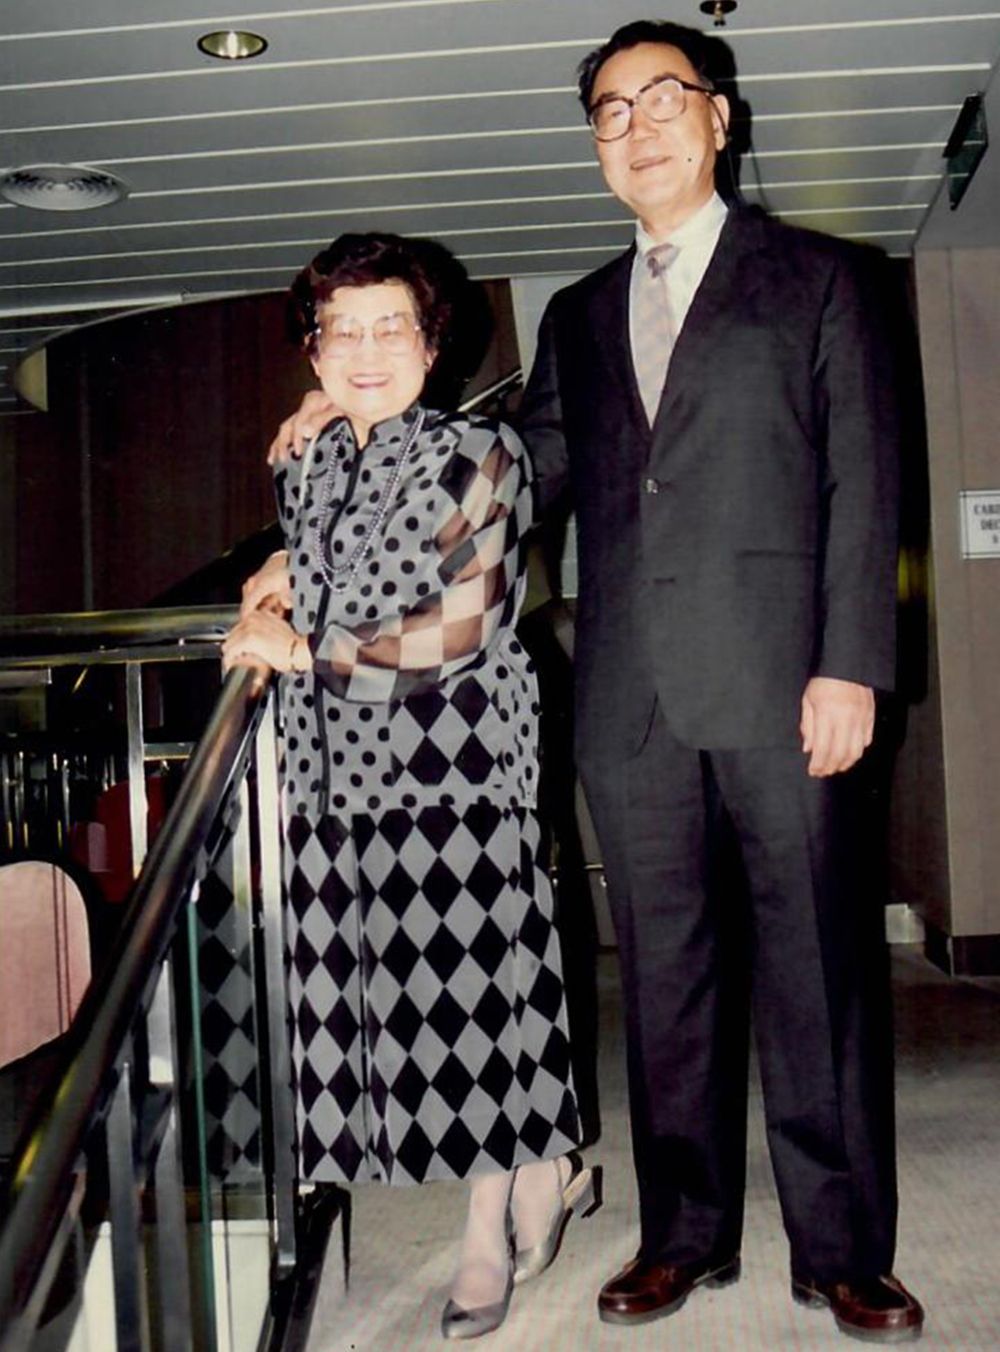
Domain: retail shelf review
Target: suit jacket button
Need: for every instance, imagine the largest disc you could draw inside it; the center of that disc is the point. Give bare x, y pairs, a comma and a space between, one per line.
652, 485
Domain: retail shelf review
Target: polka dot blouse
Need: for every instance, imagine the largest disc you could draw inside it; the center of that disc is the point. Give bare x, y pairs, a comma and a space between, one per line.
406, 566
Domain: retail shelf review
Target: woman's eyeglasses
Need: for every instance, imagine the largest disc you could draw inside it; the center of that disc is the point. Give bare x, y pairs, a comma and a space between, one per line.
339, 336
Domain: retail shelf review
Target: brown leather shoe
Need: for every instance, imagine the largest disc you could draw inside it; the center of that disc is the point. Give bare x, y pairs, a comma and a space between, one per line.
875, 1309
644, 1291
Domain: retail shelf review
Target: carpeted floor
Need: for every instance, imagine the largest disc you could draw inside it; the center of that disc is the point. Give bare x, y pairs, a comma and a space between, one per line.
403, 1242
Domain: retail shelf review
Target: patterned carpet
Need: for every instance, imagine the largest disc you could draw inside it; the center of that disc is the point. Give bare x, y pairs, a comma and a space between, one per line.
403, 1241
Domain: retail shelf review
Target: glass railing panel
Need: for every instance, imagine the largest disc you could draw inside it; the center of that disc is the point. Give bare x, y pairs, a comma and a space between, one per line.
226, 1116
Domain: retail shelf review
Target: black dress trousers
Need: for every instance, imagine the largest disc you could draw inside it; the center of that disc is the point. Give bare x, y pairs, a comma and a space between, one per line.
793, 932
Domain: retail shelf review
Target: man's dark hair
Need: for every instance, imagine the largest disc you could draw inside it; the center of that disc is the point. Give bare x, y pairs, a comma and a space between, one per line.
691, 41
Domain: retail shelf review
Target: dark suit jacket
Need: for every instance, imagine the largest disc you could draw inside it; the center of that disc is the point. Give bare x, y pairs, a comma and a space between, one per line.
748, 541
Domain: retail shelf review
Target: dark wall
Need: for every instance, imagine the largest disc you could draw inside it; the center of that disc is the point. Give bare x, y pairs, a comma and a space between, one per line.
40, 535
150, 462
172, 410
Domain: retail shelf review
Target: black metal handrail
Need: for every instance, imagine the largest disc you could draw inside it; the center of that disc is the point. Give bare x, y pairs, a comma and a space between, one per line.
495, 391
32, 636
43, 1171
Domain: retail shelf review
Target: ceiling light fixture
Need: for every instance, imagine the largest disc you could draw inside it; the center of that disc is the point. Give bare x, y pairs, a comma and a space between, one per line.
61, 187
232, 44
718, 10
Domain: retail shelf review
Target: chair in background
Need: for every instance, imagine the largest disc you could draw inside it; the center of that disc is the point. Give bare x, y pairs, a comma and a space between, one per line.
44, 972
44, 955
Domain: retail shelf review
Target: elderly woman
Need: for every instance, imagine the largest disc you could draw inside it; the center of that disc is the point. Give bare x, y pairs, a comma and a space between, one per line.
429, 1021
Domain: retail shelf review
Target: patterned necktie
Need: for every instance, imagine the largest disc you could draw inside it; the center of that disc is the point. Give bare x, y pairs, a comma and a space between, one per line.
654, 326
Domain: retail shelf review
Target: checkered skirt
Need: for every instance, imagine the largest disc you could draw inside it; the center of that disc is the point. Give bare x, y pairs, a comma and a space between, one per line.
429, 1023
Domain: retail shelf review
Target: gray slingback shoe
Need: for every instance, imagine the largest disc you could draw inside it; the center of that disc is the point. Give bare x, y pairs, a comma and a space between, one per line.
459, 1323
582, 1194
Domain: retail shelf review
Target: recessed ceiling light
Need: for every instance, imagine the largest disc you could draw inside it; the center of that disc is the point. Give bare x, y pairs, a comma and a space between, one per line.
61, 187
232, 44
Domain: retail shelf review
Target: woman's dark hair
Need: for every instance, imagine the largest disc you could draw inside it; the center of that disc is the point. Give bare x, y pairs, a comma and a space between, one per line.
454, 311
434, 277
696, 46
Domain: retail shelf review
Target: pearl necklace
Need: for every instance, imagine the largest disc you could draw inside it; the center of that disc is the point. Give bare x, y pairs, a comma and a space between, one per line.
340, 576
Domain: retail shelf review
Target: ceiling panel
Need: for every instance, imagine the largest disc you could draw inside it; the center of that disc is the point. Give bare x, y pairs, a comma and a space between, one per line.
455, 118
833, 108
792, 56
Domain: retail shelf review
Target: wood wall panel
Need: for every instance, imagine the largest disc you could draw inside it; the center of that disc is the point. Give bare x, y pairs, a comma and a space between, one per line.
165, 416
41, 558
959, 295
181, 403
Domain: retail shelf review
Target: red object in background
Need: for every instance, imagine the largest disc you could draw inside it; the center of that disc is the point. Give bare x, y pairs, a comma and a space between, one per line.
104, 846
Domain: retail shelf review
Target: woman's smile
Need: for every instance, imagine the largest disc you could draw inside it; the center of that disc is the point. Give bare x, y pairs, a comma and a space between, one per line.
371, 356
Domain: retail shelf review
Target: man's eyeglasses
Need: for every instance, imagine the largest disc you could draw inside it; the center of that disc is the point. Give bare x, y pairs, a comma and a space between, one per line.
661, 100
337, 336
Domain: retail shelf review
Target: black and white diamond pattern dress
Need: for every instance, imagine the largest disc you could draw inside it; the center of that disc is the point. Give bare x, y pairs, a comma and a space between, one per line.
429, 1022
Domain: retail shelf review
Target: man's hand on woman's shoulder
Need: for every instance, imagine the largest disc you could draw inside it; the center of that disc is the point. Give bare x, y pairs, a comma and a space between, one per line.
308, 420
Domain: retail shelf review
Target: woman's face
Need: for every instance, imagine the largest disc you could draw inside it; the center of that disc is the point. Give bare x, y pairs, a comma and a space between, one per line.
371, 358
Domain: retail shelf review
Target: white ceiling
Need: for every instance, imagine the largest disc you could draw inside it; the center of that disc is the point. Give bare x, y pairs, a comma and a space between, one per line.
451, 118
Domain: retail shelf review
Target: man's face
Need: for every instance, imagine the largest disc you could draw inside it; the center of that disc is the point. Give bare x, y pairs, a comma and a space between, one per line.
664, 171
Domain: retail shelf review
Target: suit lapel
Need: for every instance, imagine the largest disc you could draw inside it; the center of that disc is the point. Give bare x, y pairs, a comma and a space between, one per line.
730, 280
610, 312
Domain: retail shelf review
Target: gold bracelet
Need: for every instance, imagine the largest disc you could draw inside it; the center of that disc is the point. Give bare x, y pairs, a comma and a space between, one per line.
306, 664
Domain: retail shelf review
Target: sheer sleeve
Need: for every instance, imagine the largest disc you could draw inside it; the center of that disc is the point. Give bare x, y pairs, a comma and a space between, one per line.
465, 586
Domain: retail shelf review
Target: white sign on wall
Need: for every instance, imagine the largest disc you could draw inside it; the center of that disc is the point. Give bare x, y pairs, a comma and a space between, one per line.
980, 523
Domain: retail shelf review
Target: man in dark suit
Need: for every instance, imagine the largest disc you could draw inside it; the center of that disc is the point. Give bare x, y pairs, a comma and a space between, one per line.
735, 498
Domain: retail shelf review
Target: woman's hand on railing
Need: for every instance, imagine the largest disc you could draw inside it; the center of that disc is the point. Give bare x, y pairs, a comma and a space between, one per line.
265, 642
269, 588
308, 420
